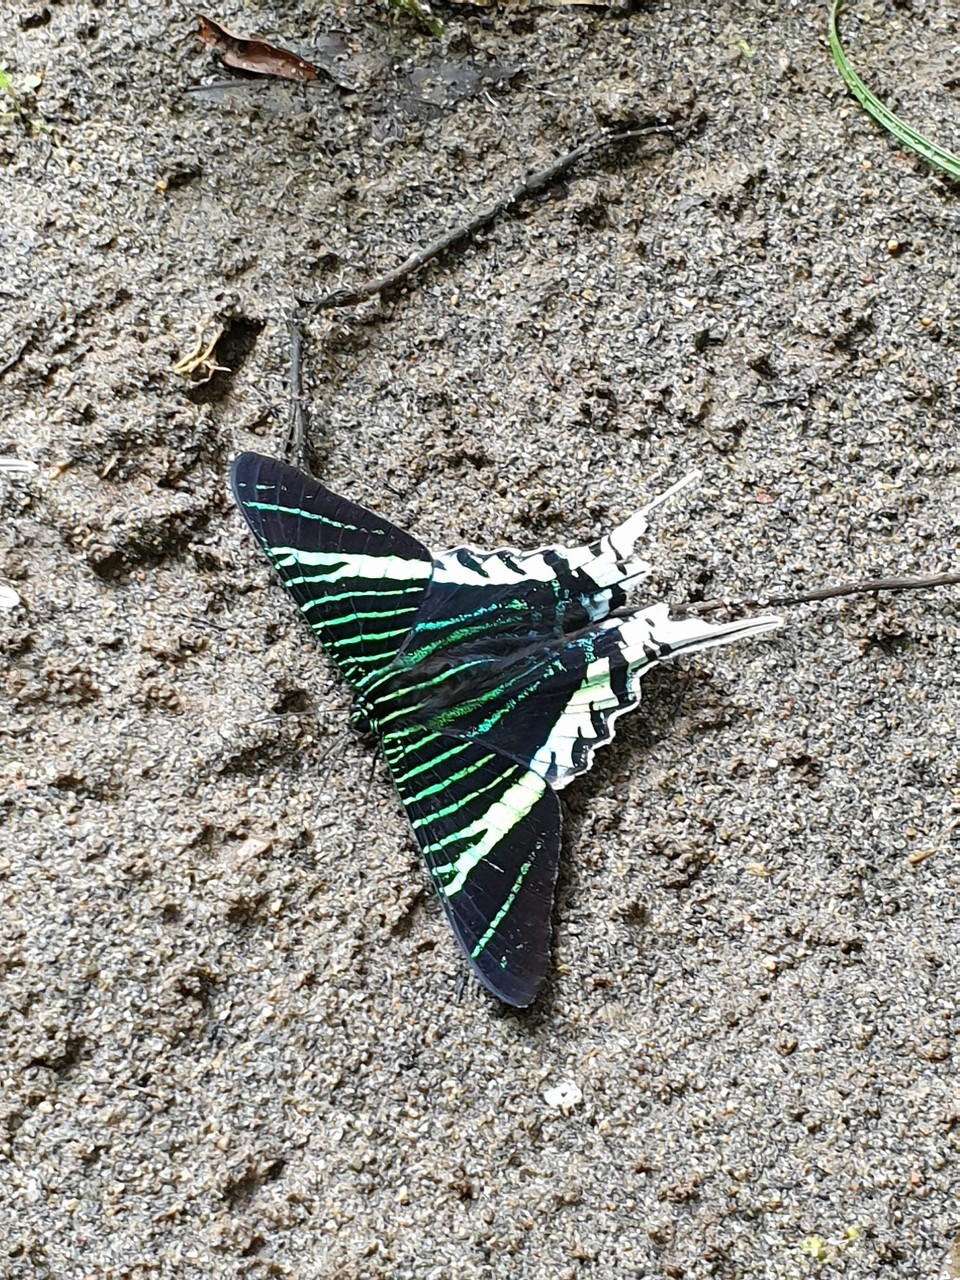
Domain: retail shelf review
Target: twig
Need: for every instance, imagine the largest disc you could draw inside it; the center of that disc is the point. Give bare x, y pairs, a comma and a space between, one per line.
16, 357
530, 186
216, 85
296, 438
865, 587
194, 621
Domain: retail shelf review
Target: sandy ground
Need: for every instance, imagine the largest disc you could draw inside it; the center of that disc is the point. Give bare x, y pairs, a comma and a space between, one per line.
235, 1037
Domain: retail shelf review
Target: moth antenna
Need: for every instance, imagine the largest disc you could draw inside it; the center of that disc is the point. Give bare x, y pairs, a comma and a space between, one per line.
626, 535
690, 478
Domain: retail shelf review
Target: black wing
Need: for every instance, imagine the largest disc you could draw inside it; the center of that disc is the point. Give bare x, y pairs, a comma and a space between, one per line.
357, 578
489, 831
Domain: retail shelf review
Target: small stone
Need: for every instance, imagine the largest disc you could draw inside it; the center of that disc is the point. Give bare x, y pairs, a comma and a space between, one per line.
563, 1096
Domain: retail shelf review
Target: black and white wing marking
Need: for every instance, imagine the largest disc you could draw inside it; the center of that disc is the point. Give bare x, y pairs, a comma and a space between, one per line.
553, 705
615, 656
565, 655
357, 579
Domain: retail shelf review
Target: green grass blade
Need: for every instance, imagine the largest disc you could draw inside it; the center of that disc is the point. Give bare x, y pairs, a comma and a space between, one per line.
905, 133
421, 13
6, 83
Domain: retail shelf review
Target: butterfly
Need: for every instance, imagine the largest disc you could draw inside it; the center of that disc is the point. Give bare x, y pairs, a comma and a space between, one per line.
490, 677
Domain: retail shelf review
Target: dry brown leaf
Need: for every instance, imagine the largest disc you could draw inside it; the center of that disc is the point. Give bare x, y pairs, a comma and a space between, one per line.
253, 54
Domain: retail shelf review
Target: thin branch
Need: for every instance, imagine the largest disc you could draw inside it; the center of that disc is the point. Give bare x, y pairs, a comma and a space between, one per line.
536, 182
866, 587
296, 438
16, 357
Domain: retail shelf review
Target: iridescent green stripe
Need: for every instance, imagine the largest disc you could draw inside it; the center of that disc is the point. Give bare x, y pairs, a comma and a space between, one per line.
431, 763
463, 801
432, 683
454, 778
495, 922
455, 633
507, 695
304, 515
381, 657
359, 616
397, 750
498, 821
359, 595
342, 642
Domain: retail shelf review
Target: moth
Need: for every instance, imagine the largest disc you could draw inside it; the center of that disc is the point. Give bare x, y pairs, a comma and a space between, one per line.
490, 677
